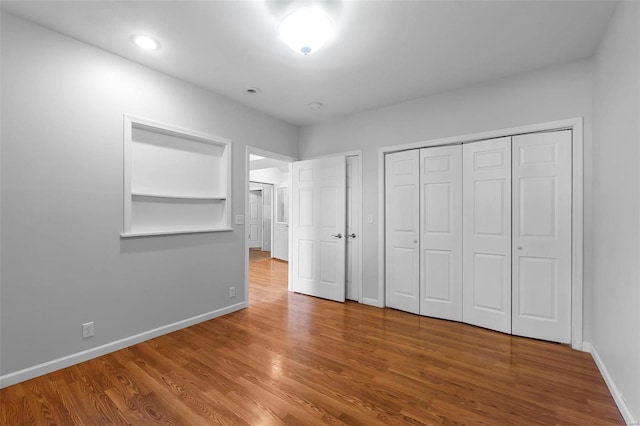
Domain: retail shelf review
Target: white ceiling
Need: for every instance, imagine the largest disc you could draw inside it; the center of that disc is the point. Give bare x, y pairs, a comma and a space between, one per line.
384, 52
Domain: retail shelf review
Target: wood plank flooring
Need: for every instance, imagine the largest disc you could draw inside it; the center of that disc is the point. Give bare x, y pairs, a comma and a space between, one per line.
293, 359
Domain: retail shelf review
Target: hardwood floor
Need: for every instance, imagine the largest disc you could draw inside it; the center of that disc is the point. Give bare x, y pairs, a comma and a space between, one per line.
293, 359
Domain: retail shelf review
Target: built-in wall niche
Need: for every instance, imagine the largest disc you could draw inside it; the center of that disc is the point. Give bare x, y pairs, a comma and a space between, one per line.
176, 180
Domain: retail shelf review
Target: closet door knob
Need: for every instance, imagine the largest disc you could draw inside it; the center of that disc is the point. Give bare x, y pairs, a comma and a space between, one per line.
519, 247
337, 236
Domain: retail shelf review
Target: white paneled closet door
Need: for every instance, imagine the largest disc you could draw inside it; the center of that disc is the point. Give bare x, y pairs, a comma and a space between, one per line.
441, 232
402, 223
487, 234
542, 236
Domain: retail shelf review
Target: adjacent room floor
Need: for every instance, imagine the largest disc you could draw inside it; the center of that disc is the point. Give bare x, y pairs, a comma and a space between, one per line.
294, 359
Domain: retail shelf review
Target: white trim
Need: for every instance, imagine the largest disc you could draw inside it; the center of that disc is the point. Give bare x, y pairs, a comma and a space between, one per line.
577, 235
574, 124
617, 396
336, 154
182, 131
78, 357
127, 165
290, 232
474, 137
360, 227
381, 227
247, 179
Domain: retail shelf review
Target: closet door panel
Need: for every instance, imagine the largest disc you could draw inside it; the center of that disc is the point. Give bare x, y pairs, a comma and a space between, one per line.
542, 236
402, 223
487, 234
441, 232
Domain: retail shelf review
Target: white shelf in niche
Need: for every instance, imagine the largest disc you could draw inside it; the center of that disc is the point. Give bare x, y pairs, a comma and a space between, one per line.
176, 180
179, 197
173, 232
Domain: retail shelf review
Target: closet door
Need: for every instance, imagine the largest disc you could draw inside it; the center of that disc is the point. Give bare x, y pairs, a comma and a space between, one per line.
542, 236
441, 232
487, 234
402, 211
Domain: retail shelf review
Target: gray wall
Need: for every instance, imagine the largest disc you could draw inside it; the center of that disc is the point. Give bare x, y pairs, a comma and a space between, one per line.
63, 262
546, 95
616, 197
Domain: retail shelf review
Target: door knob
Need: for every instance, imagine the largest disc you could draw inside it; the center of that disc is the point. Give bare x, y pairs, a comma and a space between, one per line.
353, 235
337, 236
519, 247
415, 241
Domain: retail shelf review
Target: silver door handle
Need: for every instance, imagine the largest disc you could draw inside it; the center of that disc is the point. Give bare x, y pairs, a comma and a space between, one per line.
351, 235
337, 236
519, 247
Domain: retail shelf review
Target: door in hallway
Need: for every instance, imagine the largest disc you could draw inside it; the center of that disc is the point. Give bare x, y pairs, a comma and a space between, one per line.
255, 218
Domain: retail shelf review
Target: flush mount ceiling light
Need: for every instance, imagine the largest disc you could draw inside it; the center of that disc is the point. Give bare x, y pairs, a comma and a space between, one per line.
145, 42
306, 30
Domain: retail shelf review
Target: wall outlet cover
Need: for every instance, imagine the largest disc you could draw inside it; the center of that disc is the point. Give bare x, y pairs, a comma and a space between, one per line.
87, 330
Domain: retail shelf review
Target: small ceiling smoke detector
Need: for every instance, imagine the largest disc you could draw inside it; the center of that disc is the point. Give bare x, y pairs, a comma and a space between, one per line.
316, 105
252, 91
145, 42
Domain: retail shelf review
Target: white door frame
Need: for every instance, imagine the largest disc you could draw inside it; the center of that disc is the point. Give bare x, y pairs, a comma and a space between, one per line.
359, 203
268, 154
577, 248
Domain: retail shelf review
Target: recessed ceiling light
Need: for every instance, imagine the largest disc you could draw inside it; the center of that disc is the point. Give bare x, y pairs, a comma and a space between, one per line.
316, 105
306, 30
145, 42
252, 91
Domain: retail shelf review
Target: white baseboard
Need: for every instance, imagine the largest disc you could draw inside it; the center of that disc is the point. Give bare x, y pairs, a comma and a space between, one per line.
372, 302
69, 360
617, 396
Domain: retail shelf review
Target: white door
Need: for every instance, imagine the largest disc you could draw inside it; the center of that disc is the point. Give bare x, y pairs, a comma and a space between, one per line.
441, 232
281, 224
542, 236
402, 222
318, 226
267, 216
353, 228
255, 218
487, 234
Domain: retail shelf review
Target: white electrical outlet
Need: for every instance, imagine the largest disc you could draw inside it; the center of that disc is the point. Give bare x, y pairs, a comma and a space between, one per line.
87, 330
232, 292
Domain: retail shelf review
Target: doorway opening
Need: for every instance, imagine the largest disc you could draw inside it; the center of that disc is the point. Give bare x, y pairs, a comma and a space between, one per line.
267, 237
